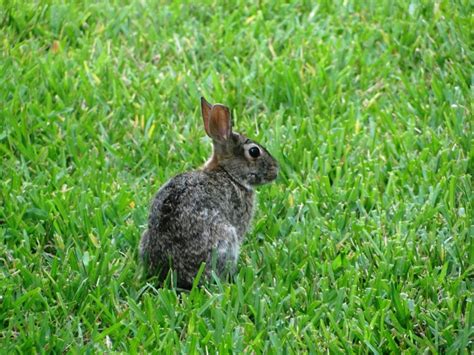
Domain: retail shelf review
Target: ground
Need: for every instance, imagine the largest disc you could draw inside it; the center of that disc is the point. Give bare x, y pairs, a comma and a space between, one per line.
363, 244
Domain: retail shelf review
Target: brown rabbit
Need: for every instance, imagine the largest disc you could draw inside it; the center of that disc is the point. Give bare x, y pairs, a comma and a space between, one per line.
202, 216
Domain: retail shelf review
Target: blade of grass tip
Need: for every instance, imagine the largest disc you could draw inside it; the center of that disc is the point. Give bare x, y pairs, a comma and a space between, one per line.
197, 279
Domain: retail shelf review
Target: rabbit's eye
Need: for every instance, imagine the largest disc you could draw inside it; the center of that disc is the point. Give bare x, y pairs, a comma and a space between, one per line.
254, 152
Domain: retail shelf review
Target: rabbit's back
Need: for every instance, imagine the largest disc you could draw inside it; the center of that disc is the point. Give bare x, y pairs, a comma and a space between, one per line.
194, 217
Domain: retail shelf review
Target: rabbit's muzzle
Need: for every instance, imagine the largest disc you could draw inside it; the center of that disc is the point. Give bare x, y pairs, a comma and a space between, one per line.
272, 174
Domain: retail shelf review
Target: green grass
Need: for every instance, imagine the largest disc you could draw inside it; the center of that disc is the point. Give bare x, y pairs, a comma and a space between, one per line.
365, 242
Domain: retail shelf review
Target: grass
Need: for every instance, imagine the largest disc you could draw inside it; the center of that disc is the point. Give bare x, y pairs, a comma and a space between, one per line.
363, 245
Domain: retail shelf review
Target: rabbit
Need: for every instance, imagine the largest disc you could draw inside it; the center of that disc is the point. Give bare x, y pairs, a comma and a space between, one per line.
202, 216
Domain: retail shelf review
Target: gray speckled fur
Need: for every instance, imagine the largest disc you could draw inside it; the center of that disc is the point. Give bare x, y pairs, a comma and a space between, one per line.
203, 215
194, 214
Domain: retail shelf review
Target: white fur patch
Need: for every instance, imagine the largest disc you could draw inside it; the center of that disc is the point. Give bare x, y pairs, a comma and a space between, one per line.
231, 247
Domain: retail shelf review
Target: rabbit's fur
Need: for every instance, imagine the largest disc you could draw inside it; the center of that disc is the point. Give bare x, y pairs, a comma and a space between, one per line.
202, 216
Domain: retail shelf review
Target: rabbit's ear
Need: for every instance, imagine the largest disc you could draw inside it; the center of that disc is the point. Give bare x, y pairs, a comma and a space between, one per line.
220, 124
217, 122
206, 108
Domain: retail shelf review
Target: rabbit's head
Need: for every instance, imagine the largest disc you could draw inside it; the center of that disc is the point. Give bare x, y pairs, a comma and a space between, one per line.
245, 160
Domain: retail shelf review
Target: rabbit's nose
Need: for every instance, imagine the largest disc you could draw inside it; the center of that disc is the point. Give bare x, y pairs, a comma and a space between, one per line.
273, 173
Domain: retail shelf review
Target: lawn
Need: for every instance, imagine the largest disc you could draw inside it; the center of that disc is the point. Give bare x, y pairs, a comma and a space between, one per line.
364, 243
